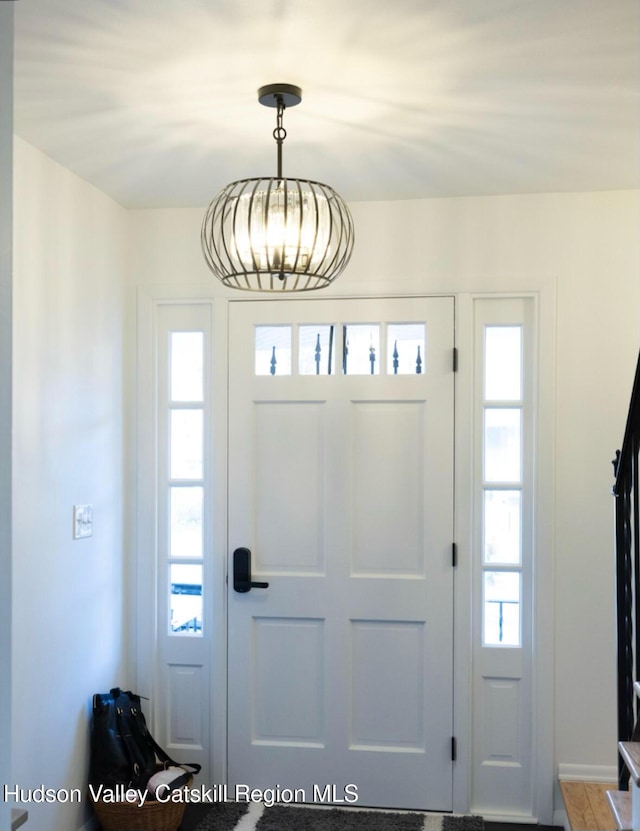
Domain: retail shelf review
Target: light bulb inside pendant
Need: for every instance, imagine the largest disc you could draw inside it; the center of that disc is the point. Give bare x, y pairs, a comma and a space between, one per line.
280, 228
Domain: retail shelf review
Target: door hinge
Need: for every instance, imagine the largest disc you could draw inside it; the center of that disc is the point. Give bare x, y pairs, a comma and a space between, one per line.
454, 749
454, 554
455, 358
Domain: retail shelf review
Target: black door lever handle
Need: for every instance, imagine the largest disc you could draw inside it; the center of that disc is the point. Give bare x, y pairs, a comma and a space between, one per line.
242, 572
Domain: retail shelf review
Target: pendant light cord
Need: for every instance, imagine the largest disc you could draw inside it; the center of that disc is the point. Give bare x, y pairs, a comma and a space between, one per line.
279, 133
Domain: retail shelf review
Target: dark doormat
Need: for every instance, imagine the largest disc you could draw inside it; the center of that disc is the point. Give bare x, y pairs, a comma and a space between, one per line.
292, 818
458, 822
280, 818
223, 816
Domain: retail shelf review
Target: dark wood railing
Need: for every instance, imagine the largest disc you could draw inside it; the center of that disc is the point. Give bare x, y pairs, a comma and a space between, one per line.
626, 490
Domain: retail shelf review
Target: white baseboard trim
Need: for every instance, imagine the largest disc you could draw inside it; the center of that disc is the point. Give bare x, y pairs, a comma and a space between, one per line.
511, 819
587, 773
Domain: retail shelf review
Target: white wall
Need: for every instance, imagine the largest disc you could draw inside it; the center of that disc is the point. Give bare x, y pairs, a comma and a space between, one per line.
6, 141
584, 246
69, 622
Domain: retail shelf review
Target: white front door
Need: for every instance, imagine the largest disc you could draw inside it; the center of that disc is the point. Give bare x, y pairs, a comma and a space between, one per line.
341, 486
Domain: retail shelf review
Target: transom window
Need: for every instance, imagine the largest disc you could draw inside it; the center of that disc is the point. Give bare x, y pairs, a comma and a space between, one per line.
345, 349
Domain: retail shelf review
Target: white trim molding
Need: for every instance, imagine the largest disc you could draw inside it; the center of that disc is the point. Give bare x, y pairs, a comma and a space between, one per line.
587, 773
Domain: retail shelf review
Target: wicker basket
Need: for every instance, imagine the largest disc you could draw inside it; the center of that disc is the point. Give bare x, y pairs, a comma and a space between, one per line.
128, 816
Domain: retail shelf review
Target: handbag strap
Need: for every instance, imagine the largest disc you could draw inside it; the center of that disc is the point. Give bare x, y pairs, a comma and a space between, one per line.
164, 757
127, 742
193, 767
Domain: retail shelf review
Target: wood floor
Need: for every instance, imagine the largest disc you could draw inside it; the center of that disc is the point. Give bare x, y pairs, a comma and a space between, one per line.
586, 805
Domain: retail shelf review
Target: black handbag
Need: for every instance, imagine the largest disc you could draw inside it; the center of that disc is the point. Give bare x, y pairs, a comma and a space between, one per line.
123, 751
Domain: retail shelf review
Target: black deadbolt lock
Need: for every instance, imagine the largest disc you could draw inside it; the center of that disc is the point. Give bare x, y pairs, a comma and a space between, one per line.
242, 572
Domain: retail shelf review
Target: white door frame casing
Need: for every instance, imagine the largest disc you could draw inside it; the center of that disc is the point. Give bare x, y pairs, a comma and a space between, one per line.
542, 724
543, 292
144, 566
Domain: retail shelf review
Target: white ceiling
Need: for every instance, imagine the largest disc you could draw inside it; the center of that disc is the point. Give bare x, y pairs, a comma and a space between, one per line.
154, 101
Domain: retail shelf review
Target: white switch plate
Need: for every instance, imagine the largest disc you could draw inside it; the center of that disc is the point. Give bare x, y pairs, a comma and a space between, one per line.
82, 521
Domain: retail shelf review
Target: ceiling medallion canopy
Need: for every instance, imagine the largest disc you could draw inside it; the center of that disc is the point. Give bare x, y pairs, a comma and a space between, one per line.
276, 234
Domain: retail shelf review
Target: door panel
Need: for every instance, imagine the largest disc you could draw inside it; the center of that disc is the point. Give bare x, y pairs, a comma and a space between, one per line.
289, 470
388, 522
340, 672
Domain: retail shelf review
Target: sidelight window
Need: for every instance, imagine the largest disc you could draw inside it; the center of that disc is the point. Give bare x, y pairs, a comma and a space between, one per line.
503, 504
185, 482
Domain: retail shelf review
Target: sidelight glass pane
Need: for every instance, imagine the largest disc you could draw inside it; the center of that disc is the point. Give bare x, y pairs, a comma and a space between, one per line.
317, 350
501, 607
186, 522
405, 348
503, 363
186, 366
502, 445
501, 527
185, 599
186, 444
273, 350
361, 349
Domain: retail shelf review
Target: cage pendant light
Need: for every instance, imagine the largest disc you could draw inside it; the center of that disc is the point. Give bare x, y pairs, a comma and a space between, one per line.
276, 234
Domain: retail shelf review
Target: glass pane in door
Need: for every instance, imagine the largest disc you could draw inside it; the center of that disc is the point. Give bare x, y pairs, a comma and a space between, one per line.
361, 349
405, 348
185, 520
186, 366
186, 599
186, 444
502, 445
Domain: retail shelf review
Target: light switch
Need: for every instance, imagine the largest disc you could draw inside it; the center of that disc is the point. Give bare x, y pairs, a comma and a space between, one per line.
82, 521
